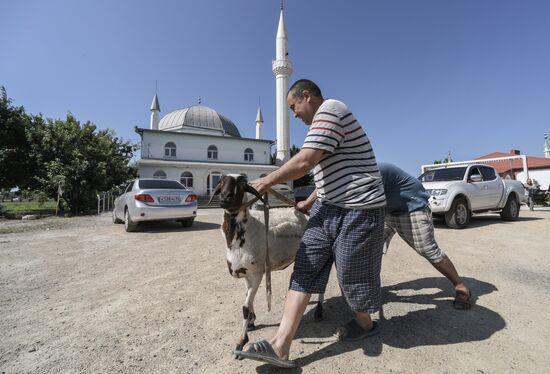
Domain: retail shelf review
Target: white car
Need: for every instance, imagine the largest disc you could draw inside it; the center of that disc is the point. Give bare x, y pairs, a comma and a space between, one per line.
155, 200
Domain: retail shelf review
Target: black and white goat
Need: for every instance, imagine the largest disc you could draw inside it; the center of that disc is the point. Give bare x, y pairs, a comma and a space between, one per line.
244, 233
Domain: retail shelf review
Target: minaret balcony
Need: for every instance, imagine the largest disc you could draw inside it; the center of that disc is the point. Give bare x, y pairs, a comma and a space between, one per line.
282, 67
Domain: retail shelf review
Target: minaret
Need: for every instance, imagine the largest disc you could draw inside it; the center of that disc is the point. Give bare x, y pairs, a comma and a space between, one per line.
546, 146
155, 109
259, 123
282, 69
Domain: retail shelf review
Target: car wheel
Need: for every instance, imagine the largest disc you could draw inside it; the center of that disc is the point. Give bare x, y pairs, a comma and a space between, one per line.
129, 225
187, 222
511, 210
115, 218
458, 216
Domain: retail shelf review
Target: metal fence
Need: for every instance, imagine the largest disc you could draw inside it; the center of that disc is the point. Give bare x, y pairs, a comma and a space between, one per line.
105, 202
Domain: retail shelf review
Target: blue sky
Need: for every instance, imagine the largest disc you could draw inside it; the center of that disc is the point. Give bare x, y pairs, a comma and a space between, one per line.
423, 77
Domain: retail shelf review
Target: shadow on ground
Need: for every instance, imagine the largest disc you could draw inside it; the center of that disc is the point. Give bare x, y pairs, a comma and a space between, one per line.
483, 220
172, 226
432, 321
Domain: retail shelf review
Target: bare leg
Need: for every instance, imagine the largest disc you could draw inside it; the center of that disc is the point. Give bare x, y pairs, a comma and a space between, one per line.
295, 306
447, 268
364, 320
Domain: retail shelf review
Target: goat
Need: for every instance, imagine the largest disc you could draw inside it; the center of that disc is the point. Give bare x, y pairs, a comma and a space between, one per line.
244, 233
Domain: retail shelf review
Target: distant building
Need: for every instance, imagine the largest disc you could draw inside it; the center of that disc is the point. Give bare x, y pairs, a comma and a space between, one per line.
539, 167
196, 145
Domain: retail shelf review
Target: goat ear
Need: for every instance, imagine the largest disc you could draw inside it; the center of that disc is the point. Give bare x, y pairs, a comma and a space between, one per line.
216, 191
253, 191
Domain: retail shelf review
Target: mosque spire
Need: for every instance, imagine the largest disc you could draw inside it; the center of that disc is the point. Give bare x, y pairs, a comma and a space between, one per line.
546, 146
259, 122
282, 69
155, 109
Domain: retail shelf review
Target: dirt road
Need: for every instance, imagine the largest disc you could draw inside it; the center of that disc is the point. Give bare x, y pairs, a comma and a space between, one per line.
81, 295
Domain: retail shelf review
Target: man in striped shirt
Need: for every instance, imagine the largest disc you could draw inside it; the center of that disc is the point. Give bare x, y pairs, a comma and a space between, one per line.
346, 226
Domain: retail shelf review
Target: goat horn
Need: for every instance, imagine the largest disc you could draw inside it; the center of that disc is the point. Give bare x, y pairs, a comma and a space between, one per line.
216, 191
254, 192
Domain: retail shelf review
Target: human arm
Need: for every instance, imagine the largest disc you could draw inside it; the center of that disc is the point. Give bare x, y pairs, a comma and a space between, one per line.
304, 206
295, 168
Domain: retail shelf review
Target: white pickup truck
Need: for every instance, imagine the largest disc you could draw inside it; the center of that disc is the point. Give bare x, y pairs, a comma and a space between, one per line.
458, 191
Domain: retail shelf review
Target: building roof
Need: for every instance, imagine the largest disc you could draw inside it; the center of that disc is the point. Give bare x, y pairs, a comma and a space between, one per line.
141, 130
198, 116
507, 165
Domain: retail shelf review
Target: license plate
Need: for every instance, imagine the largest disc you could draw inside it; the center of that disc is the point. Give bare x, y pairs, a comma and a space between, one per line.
169, 199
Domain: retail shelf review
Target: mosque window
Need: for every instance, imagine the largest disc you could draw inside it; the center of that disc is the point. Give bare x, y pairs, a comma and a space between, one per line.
212, 153
159, 174
248, 155
170, 150
187, 179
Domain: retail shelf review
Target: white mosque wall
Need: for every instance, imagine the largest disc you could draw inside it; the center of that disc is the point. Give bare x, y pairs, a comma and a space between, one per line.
204, 175
195, 147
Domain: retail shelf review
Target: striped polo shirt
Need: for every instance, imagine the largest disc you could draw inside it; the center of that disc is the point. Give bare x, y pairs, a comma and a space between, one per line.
347, 176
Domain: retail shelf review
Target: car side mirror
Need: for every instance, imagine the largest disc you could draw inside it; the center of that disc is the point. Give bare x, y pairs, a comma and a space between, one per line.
476, 178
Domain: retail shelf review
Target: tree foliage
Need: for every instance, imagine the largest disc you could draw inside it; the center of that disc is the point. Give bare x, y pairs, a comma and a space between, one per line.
66, 153
16, 168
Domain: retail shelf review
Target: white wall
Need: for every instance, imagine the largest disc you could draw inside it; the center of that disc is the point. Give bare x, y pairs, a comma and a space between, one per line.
542, 176
194, 148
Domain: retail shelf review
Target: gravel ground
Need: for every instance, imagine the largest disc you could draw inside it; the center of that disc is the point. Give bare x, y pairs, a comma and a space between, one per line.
81, 295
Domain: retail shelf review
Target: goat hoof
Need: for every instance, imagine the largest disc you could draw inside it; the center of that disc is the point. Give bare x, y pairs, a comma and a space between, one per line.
318, 315
250, 326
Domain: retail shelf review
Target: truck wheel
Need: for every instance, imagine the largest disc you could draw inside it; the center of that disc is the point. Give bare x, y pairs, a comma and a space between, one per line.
129, 225
459, 214
511, 210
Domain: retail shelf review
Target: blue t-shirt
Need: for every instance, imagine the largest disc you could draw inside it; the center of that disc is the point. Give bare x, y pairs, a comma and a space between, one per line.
404, 193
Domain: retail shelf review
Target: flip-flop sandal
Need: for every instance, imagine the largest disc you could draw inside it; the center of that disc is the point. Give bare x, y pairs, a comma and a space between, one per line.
352, 331
463, 304
263, 351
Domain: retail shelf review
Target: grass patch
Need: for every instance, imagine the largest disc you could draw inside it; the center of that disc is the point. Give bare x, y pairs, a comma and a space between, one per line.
27, 207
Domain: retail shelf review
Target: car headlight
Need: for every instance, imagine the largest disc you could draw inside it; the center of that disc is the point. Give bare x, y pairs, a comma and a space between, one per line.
440, 192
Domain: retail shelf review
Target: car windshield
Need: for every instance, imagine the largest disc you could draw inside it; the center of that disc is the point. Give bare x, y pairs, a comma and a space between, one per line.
438, 175
162, 184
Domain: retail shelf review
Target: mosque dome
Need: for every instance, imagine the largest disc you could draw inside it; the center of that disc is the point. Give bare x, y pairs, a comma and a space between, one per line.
198, 117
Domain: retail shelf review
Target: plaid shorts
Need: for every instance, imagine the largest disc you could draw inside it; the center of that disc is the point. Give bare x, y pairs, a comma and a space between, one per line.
353, 240
417, 230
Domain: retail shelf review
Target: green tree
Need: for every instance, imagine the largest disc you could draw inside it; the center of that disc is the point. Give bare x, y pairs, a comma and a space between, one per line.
16, 167
80, 159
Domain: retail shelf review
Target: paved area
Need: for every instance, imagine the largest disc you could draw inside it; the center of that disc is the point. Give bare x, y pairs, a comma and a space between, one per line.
81, 295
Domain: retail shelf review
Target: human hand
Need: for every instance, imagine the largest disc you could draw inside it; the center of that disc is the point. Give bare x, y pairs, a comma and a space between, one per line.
261, 185
303, 206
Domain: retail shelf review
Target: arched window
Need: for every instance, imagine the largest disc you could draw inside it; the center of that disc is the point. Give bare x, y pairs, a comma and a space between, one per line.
187, 179
170, 150
212, 181
248, 155
159, 174
212, 153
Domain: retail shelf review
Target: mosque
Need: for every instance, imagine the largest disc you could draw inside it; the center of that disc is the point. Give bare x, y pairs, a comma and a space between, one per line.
196, 145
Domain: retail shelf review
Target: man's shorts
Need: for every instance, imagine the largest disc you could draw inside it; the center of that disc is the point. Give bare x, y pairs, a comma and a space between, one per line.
417, 230
352, 239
